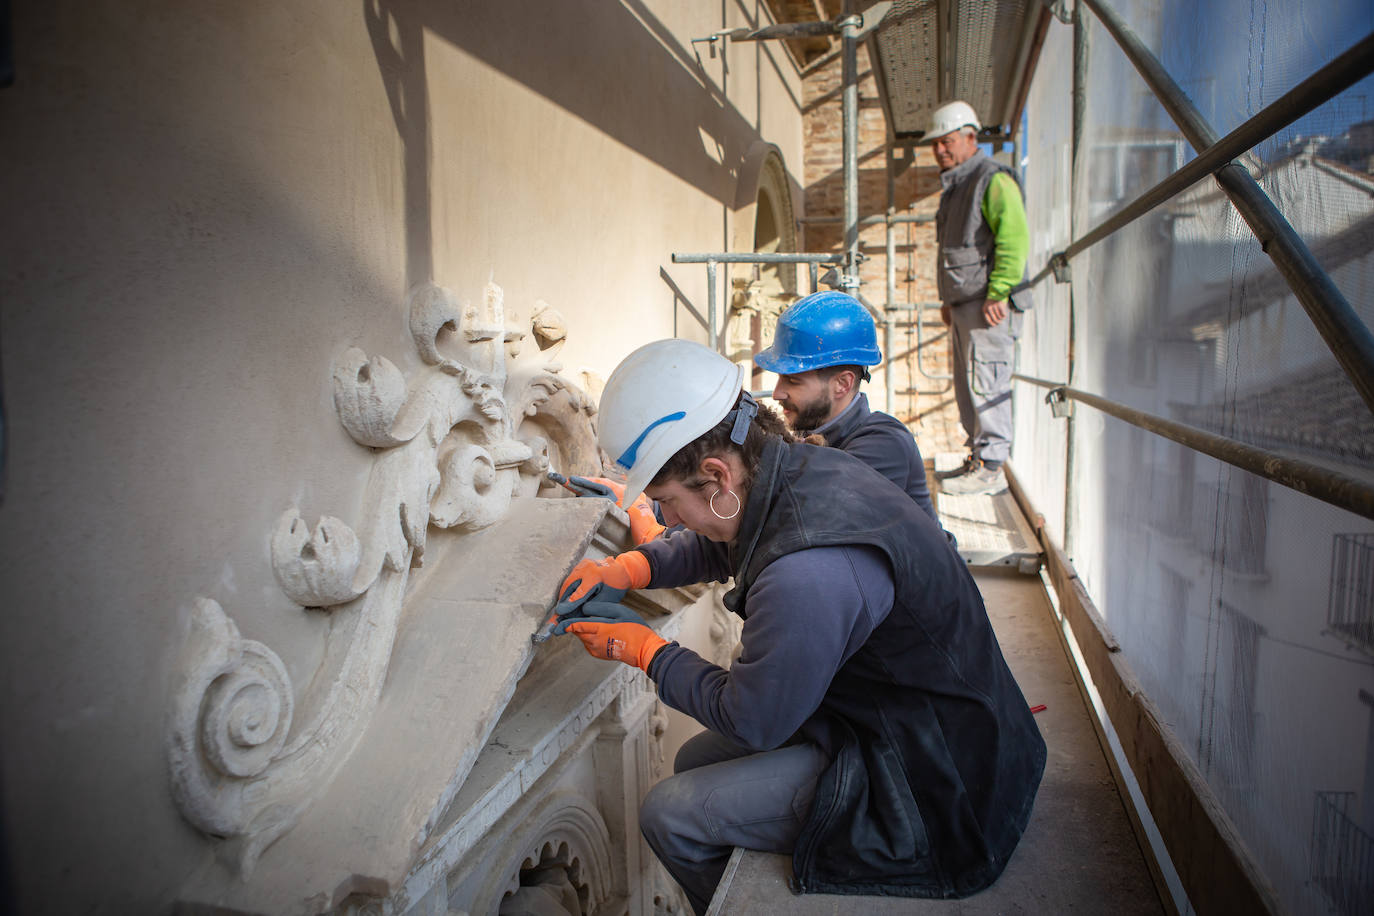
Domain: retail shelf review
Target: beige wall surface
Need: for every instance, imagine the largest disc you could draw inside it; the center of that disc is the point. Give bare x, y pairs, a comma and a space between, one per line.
204, 205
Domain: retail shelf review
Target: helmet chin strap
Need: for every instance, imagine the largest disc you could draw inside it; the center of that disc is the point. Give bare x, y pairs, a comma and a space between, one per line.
744, 415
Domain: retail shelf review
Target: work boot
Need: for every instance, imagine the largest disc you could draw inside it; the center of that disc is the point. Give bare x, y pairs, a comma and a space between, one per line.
980, 481
970, 463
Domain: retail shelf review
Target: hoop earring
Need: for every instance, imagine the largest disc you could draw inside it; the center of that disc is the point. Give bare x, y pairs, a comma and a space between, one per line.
712, 503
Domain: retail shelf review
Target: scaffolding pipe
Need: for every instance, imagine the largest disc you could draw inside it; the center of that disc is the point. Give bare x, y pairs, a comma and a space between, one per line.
1080, 108
811, 259
889, 389
872, 220
870, 19
849, 28
918, 309
1350, 340
1340, 490
889, 305
711, 305
758, 257
784, 31
875, 312
1320, 87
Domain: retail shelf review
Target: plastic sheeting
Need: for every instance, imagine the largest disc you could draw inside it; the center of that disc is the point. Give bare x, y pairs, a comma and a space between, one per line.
1245, 608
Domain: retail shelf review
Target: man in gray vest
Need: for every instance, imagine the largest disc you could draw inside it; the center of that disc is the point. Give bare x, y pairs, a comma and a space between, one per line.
983, 243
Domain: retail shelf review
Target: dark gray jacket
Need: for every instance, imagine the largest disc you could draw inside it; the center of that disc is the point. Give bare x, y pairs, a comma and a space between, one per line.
935, 756
883, 443
966, 241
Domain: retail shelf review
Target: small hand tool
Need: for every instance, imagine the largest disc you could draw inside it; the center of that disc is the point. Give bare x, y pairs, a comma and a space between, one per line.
562, 482
546, 631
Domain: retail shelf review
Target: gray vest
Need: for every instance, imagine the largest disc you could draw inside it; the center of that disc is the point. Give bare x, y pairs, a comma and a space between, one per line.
966, 241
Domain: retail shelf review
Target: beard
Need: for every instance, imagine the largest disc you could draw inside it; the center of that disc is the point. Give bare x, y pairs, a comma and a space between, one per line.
810, 416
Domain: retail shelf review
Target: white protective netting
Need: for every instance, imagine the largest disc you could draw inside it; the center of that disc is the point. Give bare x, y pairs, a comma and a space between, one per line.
1245, 608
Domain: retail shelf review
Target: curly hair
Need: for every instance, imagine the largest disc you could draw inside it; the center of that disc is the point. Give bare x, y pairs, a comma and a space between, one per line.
715, 443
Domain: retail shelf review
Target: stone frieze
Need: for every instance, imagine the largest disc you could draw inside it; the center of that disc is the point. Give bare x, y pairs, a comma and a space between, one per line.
454, 444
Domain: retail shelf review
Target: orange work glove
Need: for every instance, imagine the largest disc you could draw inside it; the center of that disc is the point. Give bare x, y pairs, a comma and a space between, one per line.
619, 573
631, 643
644, 526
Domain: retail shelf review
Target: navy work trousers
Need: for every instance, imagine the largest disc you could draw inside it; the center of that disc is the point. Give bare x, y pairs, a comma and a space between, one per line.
723, 796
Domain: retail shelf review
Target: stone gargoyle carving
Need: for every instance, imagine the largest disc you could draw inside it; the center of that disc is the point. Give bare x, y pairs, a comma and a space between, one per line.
454, 445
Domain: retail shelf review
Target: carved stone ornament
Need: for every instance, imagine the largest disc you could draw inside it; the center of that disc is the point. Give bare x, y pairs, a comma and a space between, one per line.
567, 849
455, 443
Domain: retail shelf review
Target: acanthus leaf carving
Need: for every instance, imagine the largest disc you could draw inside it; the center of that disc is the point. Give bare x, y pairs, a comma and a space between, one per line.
370, 396
450, 452
432, 309
472, 494
315, 569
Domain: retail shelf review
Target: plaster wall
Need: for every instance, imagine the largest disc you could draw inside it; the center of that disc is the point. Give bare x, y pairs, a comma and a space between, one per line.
205, 205
602, 148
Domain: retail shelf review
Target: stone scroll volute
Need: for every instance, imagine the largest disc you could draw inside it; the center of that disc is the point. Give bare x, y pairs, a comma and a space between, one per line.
475, 428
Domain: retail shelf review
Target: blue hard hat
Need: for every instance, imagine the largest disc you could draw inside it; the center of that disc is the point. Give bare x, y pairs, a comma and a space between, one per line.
823, 329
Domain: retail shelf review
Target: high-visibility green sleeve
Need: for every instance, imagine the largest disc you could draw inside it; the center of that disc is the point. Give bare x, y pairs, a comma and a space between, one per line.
1006, 217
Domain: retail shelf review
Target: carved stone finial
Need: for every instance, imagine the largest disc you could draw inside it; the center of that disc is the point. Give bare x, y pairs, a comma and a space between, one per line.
549, 326
488, 320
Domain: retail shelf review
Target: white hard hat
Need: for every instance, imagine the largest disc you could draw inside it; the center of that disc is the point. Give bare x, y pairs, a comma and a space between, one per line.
950, 117
661, 397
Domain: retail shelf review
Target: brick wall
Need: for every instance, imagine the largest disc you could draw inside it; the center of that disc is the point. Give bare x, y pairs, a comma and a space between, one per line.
924, 404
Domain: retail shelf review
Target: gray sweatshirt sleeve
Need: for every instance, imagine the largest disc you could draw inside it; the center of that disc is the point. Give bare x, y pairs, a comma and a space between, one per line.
682, 557
809, 611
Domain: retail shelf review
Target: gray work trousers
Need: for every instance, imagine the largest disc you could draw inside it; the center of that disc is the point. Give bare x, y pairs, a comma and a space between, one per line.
982, 366
723, 796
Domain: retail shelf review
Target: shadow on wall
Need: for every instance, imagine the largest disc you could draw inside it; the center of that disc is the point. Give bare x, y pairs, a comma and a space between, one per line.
6, 79
614, 65
399, 44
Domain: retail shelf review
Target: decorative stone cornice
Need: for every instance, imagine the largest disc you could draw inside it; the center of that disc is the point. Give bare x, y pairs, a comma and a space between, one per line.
453, 450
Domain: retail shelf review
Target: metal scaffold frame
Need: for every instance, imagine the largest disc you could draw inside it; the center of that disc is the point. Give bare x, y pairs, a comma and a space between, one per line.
1349, 339
1217, 874
1229, 874
1340, 327
851, 28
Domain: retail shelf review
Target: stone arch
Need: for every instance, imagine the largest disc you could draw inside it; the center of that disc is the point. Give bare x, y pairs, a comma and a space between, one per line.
564, 834
765, 221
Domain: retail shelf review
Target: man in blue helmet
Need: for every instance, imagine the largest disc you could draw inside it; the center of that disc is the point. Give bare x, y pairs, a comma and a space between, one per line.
820, 351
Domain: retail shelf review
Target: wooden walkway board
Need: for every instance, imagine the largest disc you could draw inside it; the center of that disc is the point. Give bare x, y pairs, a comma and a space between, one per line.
1079, 854
990, 528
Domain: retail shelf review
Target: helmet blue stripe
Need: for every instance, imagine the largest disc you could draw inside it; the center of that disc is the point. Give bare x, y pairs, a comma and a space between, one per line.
627, 460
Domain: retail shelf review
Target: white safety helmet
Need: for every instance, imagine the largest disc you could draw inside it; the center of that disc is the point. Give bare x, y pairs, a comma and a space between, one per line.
950, 117
661, 397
